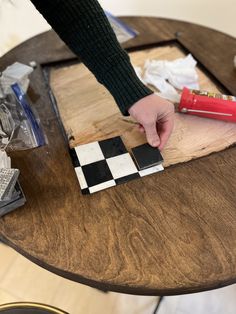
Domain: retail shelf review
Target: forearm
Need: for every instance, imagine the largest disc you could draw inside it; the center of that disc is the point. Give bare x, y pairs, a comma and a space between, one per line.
83, 26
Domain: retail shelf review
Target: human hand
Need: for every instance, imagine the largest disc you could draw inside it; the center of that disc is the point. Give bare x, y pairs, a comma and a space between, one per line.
155, 116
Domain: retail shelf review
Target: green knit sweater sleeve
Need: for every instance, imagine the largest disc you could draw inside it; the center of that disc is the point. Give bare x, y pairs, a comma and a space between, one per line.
84, 27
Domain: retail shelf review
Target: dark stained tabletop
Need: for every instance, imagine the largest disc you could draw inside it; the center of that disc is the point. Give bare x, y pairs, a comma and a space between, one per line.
168, 234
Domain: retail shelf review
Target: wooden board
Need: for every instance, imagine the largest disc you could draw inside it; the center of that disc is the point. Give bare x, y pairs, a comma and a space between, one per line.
89, 112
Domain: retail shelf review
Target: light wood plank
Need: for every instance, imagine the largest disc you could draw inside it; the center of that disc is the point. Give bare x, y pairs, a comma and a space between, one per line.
6, 297
89, 113
7, 258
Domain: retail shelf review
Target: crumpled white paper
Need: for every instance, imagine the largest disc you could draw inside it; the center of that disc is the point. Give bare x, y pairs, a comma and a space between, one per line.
15, 73
168, 76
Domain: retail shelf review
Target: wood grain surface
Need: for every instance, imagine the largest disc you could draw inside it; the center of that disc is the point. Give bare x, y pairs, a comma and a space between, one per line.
169, 233
89, 113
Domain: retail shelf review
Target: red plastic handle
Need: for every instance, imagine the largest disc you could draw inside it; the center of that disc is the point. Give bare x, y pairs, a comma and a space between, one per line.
208, 105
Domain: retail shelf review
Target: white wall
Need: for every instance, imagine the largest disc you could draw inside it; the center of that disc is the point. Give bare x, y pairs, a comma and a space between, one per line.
20, 21
218, 14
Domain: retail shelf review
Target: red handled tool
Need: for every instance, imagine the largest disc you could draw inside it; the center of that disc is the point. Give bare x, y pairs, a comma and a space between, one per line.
208, 105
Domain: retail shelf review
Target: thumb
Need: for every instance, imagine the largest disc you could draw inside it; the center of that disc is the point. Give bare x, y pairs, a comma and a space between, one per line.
151, 134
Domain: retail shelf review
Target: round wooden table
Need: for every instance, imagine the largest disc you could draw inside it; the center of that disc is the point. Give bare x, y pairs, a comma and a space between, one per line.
177, 236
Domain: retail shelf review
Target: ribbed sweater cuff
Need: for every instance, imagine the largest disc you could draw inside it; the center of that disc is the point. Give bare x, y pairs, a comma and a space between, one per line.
125, 86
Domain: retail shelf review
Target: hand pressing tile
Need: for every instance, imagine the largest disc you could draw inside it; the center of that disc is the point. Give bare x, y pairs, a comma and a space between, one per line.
146, 156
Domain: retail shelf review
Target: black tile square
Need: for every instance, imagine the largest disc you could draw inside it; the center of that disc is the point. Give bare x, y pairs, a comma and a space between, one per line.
96, 173
112, 147
85, 191
127, 178
146, 156
74, 158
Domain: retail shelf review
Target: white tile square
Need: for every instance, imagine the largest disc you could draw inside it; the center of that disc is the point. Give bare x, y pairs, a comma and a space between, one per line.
146, 172
89, 153
81, 178
102, 186
121, 165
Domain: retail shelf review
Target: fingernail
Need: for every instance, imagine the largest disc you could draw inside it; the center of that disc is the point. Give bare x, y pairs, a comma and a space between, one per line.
155, 143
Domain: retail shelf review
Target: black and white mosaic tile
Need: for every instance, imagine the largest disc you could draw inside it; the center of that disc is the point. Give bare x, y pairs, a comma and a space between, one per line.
103, 164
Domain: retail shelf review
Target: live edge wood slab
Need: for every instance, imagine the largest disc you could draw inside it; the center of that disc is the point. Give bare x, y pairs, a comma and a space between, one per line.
168, 234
